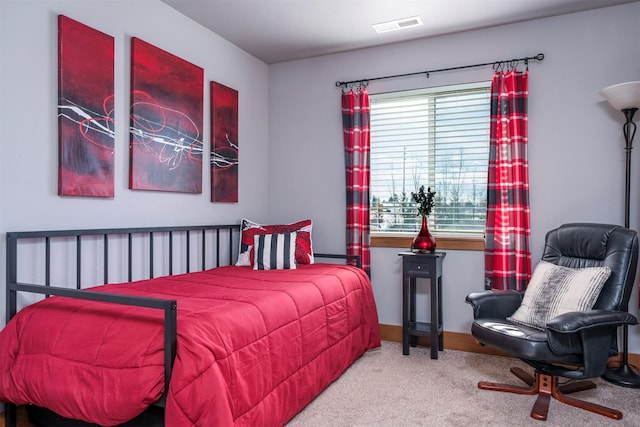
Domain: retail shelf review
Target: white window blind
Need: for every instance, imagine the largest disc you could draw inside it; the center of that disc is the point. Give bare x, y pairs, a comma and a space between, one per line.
438, 138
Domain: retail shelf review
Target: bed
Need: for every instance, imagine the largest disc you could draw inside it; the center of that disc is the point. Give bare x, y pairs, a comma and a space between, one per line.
211, 342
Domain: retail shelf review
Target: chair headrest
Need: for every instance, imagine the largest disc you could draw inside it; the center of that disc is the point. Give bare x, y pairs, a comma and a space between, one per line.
579, 245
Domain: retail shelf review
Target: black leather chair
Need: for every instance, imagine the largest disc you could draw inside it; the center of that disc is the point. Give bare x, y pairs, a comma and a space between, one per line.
575, 345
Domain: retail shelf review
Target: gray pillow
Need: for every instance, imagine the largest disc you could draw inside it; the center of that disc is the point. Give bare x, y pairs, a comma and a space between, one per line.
554, 290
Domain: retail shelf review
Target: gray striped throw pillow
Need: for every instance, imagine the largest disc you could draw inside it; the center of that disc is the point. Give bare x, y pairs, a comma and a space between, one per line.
554, 290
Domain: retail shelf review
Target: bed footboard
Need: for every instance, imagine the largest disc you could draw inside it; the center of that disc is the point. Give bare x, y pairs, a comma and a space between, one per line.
200, 246
167, 306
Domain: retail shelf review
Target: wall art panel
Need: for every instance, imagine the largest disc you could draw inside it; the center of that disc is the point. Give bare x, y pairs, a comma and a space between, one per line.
85, 110
224, 143
166, 121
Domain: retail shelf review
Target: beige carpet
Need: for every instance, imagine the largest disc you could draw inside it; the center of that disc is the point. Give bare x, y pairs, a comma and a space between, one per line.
385, 388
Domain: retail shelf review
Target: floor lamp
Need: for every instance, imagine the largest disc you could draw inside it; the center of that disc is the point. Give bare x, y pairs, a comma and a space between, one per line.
625, 97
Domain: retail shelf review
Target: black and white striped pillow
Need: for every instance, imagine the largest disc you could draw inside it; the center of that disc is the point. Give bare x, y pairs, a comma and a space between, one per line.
554, 290
274, 251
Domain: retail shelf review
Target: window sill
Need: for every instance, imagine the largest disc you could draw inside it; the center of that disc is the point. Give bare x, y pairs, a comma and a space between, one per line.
452, 243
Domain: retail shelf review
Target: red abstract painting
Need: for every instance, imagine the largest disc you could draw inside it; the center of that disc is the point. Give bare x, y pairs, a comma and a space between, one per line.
166, 121
224, 143
85, 110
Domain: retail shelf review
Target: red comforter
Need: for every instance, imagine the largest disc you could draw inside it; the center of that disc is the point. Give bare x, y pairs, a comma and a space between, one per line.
254, 347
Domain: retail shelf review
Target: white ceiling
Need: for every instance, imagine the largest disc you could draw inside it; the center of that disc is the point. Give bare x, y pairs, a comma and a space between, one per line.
282, 30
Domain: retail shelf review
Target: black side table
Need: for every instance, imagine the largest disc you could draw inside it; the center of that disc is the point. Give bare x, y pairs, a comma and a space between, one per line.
428, 266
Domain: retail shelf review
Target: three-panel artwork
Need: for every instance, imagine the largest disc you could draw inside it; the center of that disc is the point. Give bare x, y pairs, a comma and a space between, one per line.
166, 120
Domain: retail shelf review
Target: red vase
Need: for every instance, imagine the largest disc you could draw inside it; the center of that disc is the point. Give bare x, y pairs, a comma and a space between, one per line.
424, 241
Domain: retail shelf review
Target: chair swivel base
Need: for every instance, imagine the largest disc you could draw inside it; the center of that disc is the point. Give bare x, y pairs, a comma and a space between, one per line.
546, 386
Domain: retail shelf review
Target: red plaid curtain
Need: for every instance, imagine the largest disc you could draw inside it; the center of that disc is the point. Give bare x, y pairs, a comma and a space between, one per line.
507, 253
355, 122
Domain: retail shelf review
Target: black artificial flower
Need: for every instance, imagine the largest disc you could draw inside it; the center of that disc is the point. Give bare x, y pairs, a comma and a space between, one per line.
425, 200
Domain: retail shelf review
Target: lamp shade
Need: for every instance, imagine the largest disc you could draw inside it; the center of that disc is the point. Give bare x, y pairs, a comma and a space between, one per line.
623, 95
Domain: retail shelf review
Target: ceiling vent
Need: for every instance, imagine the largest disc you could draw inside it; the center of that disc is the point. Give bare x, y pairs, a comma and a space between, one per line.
399, 24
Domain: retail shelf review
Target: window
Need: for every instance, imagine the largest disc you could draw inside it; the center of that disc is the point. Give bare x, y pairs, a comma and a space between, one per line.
438, 138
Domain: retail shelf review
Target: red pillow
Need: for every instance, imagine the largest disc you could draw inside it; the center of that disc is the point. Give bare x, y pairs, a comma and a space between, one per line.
304, 251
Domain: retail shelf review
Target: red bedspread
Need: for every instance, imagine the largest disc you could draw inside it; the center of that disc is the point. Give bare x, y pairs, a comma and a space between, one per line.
254, 347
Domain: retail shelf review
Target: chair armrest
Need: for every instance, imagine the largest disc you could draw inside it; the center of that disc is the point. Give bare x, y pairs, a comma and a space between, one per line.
494, 304
576, 321
586, 333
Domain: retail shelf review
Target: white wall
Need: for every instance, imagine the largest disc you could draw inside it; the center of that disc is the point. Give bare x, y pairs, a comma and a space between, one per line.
28, 119
576, 155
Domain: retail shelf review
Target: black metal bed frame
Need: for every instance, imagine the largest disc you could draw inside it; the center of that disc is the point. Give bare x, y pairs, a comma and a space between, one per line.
169, 307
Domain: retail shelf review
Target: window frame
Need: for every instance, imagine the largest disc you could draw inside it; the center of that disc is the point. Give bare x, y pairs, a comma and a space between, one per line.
455, 240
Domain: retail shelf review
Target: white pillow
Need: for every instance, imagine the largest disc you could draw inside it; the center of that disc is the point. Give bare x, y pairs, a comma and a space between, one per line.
274, 251
554, 290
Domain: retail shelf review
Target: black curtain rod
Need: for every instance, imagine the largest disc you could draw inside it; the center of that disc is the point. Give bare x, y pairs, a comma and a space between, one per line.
497, 64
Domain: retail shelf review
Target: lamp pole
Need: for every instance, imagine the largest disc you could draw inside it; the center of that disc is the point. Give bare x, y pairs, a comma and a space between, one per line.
624, 375
625, 97
629, 130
